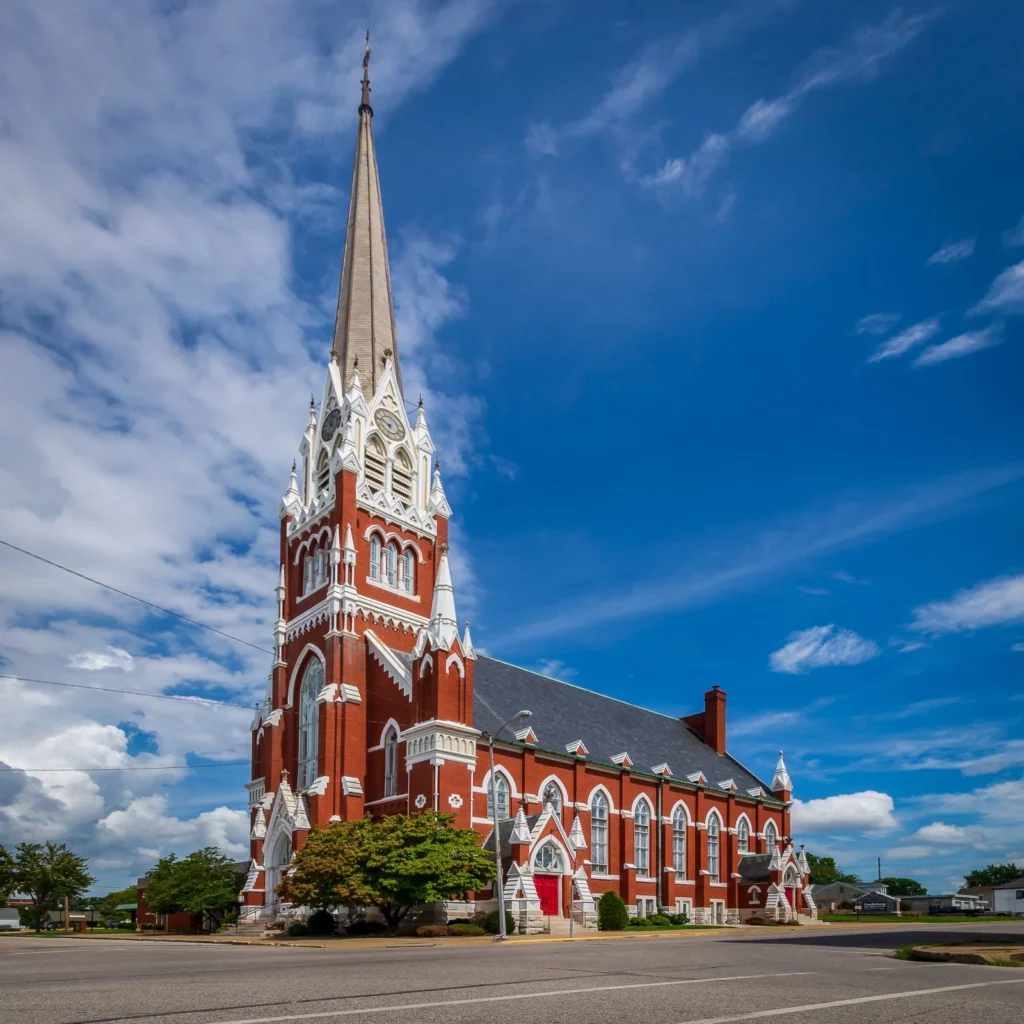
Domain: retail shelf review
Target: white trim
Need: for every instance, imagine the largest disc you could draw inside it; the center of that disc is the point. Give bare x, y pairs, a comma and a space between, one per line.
561, 788
299, 662
403, 543
454, 659
543, 841
485, 786
608, 797
389, 661
389, 724
304, 545
387, 588
671, 813
650, 807
718, 814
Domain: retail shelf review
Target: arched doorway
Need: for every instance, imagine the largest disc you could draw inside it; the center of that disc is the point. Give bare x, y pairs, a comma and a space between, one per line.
276, 861
548, 869
791, 881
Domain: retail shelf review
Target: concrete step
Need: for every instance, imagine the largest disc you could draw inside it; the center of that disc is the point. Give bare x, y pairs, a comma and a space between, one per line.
556, 925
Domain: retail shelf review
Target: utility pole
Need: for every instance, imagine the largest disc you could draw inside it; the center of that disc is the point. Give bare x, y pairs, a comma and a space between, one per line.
879, 868
67, 916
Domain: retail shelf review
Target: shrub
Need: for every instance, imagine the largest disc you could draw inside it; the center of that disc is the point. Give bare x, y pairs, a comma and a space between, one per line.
659, 919
755, 920
434, 931
321, 923
464, 920
682, 918
637, 922
467, 928
612, 915
296, 929
846, 905
490, 923
126, 926
366, 928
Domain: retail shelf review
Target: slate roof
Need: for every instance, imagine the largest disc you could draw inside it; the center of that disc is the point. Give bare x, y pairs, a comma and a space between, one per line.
505, 827
754, 867
563, 713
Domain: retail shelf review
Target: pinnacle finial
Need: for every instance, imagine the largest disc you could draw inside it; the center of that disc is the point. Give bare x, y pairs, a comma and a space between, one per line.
444, 549
293, 467
365, 104
421, 402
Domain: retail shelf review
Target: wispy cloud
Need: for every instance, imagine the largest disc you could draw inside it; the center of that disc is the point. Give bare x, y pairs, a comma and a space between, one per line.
962, 345
860, 59
97, 661
814, 591
822, 647
845, 577
993, 602
952, 252
906, 340
1015, 235
877, 323
769, 552
1006, 294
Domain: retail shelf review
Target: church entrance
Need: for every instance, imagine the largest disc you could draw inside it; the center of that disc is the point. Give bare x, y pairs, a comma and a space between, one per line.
280, 856
548, 889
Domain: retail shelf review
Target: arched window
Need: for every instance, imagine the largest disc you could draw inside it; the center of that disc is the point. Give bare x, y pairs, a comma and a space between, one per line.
320, 563
323, 472
391, 762
743, 836
642, 839
552, 795
374, 462
771, 838
391, 564
401, 477
713, 853
549, 858
679, 842
599, 833
500, 788
791, 879
374, 557
307, 575
407, 571
312, 684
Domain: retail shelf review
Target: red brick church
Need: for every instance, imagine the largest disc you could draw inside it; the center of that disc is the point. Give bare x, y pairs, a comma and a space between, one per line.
378, 703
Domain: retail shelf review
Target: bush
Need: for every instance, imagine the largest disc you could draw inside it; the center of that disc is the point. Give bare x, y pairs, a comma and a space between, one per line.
467, 928
367, 928
846, 905
637, 922
434, 931
490, 923
682, 918
321, 923
297, 929
464, 920
658, 919
612, 915
126, 926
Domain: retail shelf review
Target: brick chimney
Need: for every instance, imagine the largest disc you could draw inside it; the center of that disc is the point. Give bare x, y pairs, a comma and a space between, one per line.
709, 724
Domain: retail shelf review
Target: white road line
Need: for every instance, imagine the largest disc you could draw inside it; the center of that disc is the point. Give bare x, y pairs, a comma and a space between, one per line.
502, 999
783, 1010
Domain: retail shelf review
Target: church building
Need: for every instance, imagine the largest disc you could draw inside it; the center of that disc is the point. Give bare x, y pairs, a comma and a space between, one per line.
378, 704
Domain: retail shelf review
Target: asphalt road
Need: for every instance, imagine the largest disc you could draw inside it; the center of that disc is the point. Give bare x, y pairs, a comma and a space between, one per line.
834, 975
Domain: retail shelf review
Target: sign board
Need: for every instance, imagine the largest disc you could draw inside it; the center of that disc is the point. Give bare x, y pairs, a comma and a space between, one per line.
873, 903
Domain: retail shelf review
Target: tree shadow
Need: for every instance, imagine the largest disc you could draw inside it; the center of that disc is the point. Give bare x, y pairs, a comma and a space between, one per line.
891, 938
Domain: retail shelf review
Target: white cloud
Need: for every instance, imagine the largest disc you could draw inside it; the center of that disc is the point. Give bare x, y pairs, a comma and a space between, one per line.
867, 811
877, 323
952, 252
97, 661
909, 853
940, 832
757, 725
814, 591
556, 669
1006, 293
1015, 235
991, 603
1017, 647
821, 647
962, 345
999, 804
906, 340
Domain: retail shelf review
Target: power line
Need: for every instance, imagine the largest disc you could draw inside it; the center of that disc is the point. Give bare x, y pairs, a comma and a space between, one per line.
134, 693
133, 597
211, 764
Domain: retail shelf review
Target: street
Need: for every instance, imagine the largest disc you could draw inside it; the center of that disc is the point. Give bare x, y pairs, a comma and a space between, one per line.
823, 974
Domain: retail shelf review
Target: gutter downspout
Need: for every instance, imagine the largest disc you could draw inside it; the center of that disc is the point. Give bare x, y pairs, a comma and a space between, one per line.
661, 851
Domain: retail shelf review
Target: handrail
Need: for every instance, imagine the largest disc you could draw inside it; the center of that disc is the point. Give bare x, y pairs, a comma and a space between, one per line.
255, 911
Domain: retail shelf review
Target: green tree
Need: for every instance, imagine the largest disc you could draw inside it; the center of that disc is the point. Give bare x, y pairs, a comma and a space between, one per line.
612, 915
392, 864
825, 871
994, 874
48, 873
204, 882
904, 886
6, 875
107, 905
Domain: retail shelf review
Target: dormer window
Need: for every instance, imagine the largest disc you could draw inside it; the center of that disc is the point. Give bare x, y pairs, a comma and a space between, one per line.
401, 477
323, 473
374, 461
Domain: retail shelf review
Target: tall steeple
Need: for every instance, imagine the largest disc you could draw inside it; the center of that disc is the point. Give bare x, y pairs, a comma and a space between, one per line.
364, 328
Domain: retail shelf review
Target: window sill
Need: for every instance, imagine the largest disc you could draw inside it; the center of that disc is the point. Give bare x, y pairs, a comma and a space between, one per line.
310, 593
397, 591
719, 885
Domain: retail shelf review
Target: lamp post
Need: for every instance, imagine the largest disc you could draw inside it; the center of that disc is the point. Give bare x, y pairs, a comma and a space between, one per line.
519, 716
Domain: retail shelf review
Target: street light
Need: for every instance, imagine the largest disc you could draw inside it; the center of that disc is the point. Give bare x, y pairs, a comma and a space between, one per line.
519, 716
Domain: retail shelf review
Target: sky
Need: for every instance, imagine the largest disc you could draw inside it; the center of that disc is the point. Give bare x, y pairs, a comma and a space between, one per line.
717, 312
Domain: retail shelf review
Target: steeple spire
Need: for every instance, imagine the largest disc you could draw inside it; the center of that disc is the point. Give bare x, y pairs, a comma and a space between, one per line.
364, 327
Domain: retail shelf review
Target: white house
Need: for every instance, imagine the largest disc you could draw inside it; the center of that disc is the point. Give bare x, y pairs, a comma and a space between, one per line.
1009, 898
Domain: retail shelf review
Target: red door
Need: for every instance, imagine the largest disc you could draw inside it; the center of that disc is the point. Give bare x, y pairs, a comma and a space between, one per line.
791, 896
547, 889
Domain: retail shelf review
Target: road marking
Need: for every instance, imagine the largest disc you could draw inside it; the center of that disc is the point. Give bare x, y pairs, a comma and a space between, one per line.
782, 1010
502, 999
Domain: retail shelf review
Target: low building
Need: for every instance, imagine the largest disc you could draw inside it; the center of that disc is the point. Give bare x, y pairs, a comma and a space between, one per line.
946, 903
10, 919
983, 892
1009, 898
831, 897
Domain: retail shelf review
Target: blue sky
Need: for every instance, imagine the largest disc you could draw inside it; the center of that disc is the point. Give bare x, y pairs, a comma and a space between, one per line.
718, 322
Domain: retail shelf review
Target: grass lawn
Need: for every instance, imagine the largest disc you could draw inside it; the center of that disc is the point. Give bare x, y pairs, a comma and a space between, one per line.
893, 919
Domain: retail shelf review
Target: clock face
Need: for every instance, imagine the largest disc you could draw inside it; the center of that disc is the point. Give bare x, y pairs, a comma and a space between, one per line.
390, 424
331, 424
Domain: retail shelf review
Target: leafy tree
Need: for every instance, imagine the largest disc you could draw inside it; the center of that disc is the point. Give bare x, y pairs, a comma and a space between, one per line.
904, 886
612, 915
392, 864
48, 873
107, 905
993, 874
203, 882
825, 871
6, 875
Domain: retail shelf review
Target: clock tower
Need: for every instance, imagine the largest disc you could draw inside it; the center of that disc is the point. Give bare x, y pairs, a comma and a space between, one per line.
371, 675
